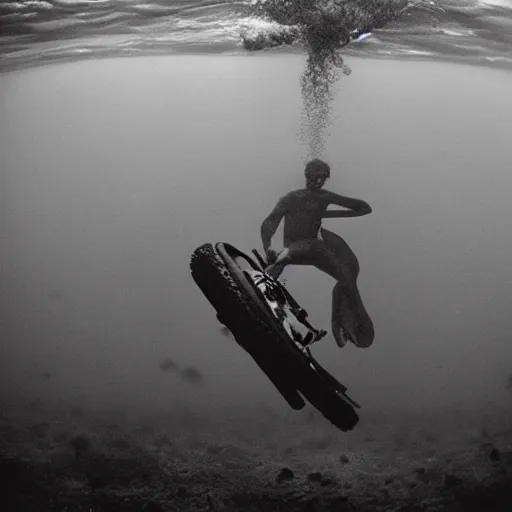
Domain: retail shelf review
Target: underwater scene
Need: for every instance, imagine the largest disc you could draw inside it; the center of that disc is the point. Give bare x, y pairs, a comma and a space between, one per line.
186, 324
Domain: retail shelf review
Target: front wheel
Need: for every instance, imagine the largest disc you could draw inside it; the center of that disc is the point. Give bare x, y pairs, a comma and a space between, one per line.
240, 316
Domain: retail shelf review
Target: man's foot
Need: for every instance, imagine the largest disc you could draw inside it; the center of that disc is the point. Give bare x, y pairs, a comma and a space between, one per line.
349, 335
340, 340
343, 335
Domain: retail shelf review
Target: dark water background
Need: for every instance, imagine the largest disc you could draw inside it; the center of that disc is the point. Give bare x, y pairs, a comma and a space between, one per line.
114, 171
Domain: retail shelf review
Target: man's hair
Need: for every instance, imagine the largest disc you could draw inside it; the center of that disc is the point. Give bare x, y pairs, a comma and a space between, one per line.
317, 167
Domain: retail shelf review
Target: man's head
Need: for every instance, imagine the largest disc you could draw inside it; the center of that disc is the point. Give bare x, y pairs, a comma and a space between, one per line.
316, 172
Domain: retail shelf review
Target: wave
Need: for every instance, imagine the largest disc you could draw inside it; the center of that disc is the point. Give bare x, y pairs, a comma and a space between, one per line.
35, 31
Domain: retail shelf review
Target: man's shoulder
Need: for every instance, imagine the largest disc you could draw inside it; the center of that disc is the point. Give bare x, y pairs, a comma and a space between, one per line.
291, 196
304, 193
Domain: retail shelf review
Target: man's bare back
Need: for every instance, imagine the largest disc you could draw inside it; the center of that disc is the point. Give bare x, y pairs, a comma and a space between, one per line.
303, 211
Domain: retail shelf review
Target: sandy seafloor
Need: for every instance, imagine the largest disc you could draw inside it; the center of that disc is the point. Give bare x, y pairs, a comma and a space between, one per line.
252, 459
72, 442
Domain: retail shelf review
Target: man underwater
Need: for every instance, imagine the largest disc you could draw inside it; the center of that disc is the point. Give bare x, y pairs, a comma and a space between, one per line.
307, 243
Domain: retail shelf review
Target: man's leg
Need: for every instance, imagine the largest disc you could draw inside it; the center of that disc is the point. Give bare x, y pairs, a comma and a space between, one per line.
344, 253
339, 303
349, 315
350, 320
303, 252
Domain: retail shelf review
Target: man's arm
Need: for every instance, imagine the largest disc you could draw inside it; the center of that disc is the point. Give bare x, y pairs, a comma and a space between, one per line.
271, 223
355, 207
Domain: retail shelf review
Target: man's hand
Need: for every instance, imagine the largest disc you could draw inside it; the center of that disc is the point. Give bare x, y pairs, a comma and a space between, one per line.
271, 255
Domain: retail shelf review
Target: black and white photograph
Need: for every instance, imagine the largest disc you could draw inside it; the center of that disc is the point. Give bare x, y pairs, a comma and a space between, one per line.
255, 255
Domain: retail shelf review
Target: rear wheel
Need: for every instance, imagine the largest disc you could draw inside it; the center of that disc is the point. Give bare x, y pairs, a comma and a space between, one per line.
325, 398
